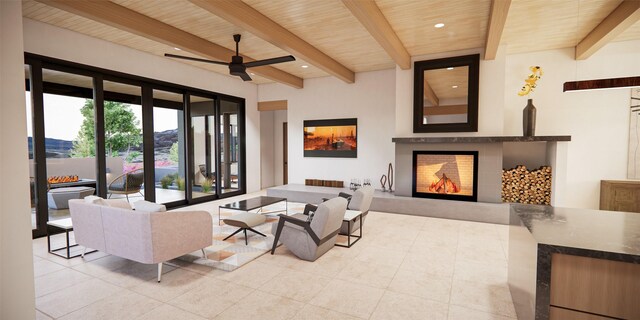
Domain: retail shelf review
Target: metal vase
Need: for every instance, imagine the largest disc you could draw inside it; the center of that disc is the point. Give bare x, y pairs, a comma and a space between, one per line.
529, 119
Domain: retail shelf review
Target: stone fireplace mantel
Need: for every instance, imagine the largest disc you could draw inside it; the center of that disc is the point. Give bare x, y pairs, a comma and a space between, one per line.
495, 153
479, 139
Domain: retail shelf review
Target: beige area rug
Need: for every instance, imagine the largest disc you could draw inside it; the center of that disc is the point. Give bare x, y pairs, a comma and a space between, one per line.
233, 253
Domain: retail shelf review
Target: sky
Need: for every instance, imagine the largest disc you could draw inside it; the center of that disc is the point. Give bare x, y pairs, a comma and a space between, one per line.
62, 117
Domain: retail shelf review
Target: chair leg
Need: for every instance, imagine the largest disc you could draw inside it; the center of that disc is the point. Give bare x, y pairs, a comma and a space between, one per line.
159, 271
109, 196
84, 251
277, 237
204, 255
246, 240
233, 234
256, 232
127, 195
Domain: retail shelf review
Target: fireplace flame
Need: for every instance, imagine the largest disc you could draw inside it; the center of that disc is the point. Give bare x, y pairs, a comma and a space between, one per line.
444, 185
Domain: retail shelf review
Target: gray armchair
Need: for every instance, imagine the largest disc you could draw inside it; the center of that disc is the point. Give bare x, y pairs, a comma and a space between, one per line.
360, 201
310, 240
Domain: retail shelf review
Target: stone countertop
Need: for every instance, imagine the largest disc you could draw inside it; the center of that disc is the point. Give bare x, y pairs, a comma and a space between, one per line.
614, 234
479, 139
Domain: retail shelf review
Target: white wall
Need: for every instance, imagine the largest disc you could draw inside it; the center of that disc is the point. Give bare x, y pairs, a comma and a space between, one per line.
271, 144
598, 121
48, 40
17, 293
371, 99
267, 158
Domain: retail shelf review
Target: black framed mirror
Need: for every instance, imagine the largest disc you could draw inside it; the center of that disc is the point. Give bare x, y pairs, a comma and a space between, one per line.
445, 94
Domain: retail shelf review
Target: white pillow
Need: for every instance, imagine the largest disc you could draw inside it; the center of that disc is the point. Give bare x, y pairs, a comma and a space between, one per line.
95, 200
147, 206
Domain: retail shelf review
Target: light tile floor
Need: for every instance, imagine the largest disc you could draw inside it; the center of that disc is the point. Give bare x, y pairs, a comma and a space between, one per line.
405, 267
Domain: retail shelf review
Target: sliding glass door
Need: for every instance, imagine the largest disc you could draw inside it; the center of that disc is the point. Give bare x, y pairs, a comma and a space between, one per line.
69, 139
204, 179
121, 136
123, 144
229, 144
169, 145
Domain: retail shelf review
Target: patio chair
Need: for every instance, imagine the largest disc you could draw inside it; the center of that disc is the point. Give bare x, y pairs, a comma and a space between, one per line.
127, 183
310, 240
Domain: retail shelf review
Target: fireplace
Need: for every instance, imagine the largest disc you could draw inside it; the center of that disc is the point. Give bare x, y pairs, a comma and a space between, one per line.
451, 175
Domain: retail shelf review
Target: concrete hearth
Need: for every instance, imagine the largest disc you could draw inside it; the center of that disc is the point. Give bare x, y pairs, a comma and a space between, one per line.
392, 203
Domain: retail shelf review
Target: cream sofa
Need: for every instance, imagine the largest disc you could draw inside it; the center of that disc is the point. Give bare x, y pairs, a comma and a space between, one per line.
145, 237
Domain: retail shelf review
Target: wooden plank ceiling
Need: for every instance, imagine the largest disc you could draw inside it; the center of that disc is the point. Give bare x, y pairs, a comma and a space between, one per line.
330, 27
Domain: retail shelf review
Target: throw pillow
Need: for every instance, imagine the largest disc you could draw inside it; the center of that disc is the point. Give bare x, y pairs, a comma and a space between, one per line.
310, 216
95, 200
147, 206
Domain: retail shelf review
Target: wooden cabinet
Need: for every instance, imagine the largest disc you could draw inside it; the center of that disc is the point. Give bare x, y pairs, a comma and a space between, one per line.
565, 314
600, 287
620, 195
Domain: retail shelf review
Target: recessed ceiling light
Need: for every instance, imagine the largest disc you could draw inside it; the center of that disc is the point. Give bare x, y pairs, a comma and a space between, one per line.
439, 25
178, 49
304, 66
455, 87
253, 74
450, 68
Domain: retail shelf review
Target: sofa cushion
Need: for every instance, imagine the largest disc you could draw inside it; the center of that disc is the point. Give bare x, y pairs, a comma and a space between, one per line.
147, 206
95, 200
118, 203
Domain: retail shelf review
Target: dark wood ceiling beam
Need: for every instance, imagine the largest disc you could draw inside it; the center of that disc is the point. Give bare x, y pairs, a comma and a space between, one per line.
248, 18
131, 21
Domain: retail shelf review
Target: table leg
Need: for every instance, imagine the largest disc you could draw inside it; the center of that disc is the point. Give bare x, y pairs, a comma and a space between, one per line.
48, 240
349, 234
66, 232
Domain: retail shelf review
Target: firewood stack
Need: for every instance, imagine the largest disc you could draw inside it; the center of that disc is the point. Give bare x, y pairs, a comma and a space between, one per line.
523, 186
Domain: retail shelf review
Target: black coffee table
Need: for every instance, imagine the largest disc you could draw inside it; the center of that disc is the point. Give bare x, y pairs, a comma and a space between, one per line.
252, 204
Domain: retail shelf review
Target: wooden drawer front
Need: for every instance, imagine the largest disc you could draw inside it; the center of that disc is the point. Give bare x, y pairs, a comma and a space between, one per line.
624, 194
604, 287
564, 314
625, 206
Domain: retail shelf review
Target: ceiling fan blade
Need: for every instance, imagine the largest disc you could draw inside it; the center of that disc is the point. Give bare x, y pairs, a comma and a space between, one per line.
265, 62
245, 76
195, 59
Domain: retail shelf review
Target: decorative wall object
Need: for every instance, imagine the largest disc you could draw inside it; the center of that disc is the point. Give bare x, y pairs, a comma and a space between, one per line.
383, 182
523, 186
529, 112
390, 177
633, 167
445, 94
336, 138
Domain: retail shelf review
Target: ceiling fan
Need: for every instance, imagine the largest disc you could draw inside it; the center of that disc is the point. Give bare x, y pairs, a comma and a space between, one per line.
236, 66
